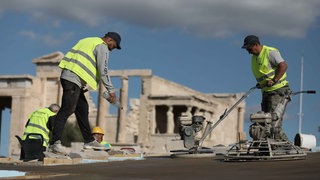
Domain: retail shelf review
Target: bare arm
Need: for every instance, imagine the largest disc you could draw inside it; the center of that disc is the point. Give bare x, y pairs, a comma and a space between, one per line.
282, 68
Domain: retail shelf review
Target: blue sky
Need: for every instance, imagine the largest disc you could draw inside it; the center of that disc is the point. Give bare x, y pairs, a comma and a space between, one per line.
193, 43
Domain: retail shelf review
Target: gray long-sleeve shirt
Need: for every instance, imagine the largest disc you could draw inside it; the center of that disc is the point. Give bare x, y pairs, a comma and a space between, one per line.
101, 53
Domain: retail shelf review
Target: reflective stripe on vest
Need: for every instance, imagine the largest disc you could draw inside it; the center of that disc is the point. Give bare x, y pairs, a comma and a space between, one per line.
263, 71
81, 60
38, 124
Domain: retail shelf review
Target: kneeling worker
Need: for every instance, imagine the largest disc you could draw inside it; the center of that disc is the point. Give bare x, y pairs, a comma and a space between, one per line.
98, 134
40, 122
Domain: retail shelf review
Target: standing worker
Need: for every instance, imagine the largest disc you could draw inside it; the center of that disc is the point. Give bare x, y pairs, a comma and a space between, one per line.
84, 65
269, 69
98, 134
40, 122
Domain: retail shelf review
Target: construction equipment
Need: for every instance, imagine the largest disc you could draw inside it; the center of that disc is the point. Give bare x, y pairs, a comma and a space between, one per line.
188, 133
264, 131
266, 144
190, 129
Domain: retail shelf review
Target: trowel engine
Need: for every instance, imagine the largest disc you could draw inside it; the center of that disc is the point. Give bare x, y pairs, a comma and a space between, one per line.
190, 129
266, 125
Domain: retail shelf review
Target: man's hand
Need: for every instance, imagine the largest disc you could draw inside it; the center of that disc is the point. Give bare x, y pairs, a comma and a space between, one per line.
112, 98
270, 82
282, 67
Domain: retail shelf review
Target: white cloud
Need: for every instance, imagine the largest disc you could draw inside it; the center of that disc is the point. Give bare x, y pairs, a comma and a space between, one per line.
207, 18
47, 39
28, 34
43, 18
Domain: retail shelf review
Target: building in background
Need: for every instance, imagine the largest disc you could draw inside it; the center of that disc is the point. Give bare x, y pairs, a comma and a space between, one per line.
150, 121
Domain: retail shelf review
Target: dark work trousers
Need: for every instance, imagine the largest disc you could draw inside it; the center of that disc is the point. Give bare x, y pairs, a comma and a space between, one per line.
270, 100
73, 101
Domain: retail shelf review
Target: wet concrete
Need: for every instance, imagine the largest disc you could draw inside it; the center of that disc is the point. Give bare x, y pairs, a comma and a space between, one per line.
178, 168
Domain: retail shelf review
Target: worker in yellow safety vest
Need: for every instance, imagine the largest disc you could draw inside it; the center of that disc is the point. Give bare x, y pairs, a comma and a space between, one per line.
98, 134
83, 67
269, 69
40, 122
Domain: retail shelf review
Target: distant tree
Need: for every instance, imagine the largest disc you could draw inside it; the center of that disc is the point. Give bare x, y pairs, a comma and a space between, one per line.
71, 133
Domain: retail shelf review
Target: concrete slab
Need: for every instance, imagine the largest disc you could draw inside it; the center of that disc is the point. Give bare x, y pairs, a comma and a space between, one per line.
184, 168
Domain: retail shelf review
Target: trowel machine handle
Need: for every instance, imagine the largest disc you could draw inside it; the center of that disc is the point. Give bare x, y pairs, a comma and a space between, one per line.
210, 127
278, 112
307, 92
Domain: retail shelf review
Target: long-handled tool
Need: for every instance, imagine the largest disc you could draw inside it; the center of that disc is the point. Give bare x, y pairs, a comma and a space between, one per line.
210, 127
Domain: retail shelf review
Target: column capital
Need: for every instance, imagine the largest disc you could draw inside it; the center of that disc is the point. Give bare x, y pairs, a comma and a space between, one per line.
124, 77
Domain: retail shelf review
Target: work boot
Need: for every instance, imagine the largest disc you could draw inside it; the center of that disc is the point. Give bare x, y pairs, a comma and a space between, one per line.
94, 145
57, 148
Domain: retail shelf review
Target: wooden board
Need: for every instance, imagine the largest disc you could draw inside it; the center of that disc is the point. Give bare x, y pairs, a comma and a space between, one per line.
55, 161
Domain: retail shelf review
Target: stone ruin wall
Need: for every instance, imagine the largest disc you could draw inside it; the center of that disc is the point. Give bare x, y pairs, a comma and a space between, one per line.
158, 95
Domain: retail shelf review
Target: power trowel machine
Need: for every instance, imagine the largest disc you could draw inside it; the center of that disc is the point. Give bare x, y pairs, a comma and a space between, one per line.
263, 131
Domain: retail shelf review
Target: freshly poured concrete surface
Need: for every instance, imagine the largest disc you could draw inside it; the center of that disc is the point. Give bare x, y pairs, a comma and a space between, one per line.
178, 168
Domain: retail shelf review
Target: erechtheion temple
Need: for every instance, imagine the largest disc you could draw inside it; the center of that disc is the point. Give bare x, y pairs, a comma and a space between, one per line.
149, 121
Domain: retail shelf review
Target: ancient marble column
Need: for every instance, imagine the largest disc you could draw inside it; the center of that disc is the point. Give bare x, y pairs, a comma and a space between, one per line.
103, 108
152, 117
241, 133
188, 112
123, 111
170, 121
240, 122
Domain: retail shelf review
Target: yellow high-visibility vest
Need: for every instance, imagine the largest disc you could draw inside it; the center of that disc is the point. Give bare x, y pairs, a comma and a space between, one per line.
38, 124
263, 71
81, 60
106, 144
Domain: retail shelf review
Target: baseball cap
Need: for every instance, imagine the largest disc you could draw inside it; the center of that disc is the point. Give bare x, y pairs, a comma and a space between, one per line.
116, 37
249, 41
